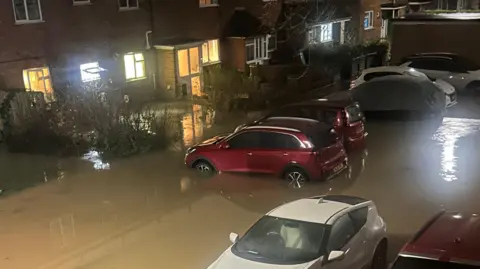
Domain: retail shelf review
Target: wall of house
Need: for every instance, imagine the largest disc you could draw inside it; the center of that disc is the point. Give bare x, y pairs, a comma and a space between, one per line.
408, 39
69, 36
166, 72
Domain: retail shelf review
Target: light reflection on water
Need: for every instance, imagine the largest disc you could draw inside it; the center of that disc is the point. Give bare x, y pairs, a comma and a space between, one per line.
448, 135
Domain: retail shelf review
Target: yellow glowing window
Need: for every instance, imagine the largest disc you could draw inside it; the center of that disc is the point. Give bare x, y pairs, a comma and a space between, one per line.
39, 80
182, 56
196, 86
210, 51
134, 66
194, 60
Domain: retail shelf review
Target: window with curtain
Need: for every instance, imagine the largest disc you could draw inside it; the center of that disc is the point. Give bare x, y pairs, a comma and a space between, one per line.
134, 66
27, 10
210, 52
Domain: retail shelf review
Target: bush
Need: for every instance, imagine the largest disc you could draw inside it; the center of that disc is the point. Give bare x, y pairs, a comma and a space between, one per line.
89, 120
225, 88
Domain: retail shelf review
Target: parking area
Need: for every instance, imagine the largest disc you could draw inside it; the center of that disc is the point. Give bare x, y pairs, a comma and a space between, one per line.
412, 170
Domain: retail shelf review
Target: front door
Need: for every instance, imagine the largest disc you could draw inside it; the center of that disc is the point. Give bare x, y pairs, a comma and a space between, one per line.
189, 72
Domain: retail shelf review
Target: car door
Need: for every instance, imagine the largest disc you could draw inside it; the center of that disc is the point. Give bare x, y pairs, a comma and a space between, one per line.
234, 157
276, 150
354, 134
359, 217
344, 237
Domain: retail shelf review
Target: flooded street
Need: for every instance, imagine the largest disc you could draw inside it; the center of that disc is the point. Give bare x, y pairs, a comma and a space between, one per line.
151, 212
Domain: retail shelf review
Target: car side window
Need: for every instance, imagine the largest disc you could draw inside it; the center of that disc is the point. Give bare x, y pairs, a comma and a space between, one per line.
245, 140
342, 231
427, 64
359, 217
278, 141
437, 65
373, 75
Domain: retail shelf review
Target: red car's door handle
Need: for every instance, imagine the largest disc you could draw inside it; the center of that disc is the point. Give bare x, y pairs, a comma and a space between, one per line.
285, 154
249, 154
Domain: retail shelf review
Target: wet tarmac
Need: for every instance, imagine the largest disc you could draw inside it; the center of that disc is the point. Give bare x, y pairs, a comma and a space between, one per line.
150, 212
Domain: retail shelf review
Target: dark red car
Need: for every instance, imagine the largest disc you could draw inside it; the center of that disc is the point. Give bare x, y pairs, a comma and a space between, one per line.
295, 149
449, 240
345, 117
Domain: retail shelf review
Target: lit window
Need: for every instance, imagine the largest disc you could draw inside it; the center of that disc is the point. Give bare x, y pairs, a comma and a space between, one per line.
27, 11
208, 3
368, 21
188, 61
81, 2
90, 72
194, 56
210, 52
128, 4
182, 56
134, 66
256, 49
38, 80
321, 33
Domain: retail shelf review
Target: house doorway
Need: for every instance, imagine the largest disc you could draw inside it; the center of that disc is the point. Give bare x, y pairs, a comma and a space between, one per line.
189, 71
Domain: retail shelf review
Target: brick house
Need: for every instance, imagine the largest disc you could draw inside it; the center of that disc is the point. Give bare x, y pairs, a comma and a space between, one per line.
150, 47
70, 41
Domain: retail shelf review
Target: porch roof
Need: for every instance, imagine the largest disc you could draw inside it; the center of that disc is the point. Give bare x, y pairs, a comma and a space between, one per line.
244, 24
176, 41
392, 6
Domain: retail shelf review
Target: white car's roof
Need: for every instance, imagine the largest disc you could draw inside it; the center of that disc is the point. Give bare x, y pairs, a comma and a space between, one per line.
392, 68
314, 210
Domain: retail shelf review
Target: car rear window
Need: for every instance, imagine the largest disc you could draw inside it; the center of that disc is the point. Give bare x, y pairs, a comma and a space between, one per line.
354, 113
417, 263
372, 75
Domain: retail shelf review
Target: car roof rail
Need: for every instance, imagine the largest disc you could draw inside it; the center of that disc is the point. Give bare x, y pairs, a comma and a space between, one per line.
426, 226
291, 118
271, 127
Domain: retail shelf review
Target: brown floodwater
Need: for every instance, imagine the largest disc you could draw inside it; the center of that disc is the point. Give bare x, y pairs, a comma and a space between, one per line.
150, 212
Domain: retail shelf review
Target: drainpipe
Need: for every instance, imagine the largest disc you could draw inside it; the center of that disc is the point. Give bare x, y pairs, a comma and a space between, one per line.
149, 39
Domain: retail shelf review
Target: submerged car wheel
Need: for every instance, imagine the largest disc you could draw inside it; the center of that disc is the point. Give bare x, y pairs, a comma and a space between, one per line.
380, 257
204, 167
296, 177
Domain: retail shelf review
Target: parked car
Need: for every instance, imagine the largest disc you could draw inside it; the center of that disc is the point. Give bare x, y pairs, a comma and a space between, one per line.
381, 71
297, 150
458, 71
332, 231
448, 240
345, 117
401, 94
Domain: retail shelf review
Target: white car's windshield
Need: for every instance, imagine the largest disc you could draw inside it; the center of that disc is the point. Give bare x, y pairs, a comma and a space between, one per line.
282, 241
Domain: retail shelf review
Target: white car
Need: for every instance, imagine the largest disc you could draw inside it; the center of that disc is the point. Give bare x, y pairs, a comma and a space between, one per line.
328, 232
462, 73
381, 71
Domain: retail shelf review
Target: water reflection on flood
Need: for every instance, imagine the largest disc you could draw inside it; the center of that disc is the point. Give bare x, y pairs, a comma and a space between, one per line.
448, 135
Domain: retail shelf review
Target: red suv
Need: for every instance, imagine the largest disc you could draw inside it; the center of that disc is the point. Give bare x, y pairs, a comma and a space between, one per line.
449, 240
296, 149
345, 117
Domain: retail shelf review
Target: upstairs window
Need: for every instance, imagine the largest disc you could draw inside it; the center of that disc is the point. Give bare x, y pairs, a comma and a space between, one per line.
256, 49
27, 11
368, 21
322, 33
127, 4
208, 3
210, 52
